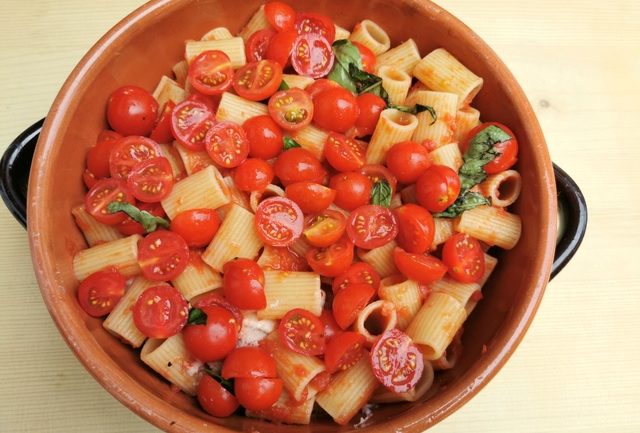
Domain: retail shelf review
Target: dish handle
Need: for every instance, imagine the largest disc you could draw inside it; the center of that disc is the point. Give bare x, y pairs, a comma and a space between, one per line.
16, 163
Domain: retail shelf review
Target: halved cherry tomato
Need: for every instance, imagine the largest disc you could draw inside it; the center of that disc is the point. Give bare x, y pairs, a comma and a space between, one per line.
151, 180
196, 226
279, 221
162, 255
213, 340
358, 273
353, 190
422, 268
319, 86
98, 158
130, 227
243, 284
407, 160
214, 299
343, 153
367, 56
101, 291
214, 398
437, 188
210, 101
89, 179
265, 137
248, 362
298, 165
348, 302
310, 196
258, 80
416, 228
396, 361
507, 149
128, 152
302, 332
312, 55
324, 229
132, 110
190, 123
257, 393
464, 257
162, 130
335, 109
104, 192
331, 328
310, 22
280, 15
282, 259
210, 73
291, 109
280, 46
343, 351
372, 226
160, 312
254, 174
370, 106
332, 260
227, 144
257, 45
108, 135
376, 173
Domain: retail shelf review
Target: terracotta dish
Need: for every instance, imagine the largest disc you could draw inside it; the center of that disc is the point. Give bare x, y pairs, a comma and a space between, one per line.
143, 47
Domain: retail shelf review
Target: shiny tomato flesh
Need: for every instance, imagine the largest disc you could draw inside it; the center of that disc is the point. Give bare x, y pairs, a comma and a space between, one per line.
372, 226
99, 293
162, 130
353, 190
162, 255
312, 55
343, 153
151, 180
279, 221
343, 351
464, 257
257, 45
254, 174
302, 332
190, 123
102, 194
265, 137
396, 361
128, 152
160, 312
258, 80
332, 260
227, 144
257, 393
325, 228
291, 109
210, 73
358, 273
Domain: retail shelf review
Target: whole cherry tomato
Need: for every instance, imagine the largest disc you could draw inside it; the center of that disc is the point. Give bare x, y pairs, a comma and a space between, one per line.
353, 190
437, 188
335, 109
407, 160
131, 110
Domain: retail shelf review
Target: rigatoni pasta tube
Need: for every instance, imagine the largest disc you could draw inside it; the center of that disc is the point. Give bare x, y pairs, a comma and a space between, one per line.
396, 82
175, 160
393, 127
168, 90
217, 34
181, 71
381, 259
443, 230
442, 129
404, 57
405, 295
233, 48
297, 81
197, 278
491, 225
312, 139
375, 319
449, 155
193, 161
94, 232
502, 188
256, 197
467, 118
288, 290
233, 108
341, 33
372, 36
258, 21
121, 254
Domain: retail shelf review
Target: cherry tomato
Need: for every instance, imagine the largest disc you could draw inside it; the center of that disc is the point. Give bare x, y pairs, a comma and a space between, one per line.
331, 328
160, 312
279, 221
128, 152
344, 154
210, 101
416, 228
151, 180
348, 303
89, 179
507, 150
101, 291
343, 351
257, 45
215, 399
319, 86
280, 46
310, 196
396, 361
358, 273
282, 259
243, 284
298, 165
132, 110
210, 73
104, 192
213, 340
258, 80
422, 268
370, 106
353, 190
302, 332
108, 135
162, 130
257, 393
464, 257
190, 123
280, 15
291, 109
214, 299
332, 260
162, 255
372, 226
376, 173
407, 160
227, 144
325, 228
437, 188
367, 56
196, 226
265, 137
335, 109
310, 22
98, 158
248, 362
254, 174
130, 227
312, 55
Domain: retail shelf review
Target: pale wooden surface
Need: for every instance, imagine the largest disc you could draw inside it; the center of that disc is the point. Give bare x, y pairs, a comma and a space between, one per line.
578, 367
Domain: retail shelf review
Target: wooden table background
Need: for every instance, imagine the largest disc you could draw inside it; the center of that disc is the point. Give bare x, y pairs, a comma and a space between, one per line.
578, 368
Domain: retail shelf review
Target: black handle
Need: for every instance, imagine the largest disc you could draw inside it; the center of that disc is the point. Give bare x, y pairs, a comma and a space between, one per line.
572, 207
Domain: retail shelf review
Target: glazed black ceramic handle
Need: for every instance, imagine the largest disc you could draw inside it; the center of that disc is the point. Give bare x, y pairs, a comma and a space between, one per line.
16, 162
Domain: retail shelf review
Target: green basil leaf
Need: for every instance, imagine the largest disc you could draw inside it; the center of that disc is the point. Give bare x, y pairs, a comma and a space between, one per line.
283, 85
148, 221
467, 201
418, 108
346, 54
367, 83
197, 317
381, 193
290, 143
480, 152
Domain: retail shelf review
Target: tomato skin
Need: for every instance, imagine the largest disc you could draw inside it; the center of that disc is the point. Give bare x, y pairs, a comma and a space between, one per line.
227, 144
358, 273
248, 362
215, 399
370, 106
325, 228
196, 226
257, 393
280, 15
344, 351
368, 58
377, 173
210, 73
291, 109
422, 268
396, 361
254, 174
265, 137
151, 180
190, 122
131, 110
464, 257
416, 228
214, 299
310, 196
211, 102
99, 293
280, 46
283, 259
298, 165
343, 153
243, 284
508, 149
108, 135
349, 301
162, 255
353, 190
335, 109
437, 188
128, 152
258, 80
130, 227
310, 22
101, 194
89, 179
302, 332
332, 260
98, 158
215, 339
312, 55
407, 160
372, 226
331, 328
162, 130
257, 45
319, 86
279, 221
160, 312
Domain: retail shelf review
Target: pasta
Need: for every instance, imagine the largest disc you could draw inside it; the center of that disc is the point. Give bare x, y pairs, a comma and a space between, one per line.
404, 57
121, 254
372, 36
288, 290
94, 232
233, 47
393, 127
